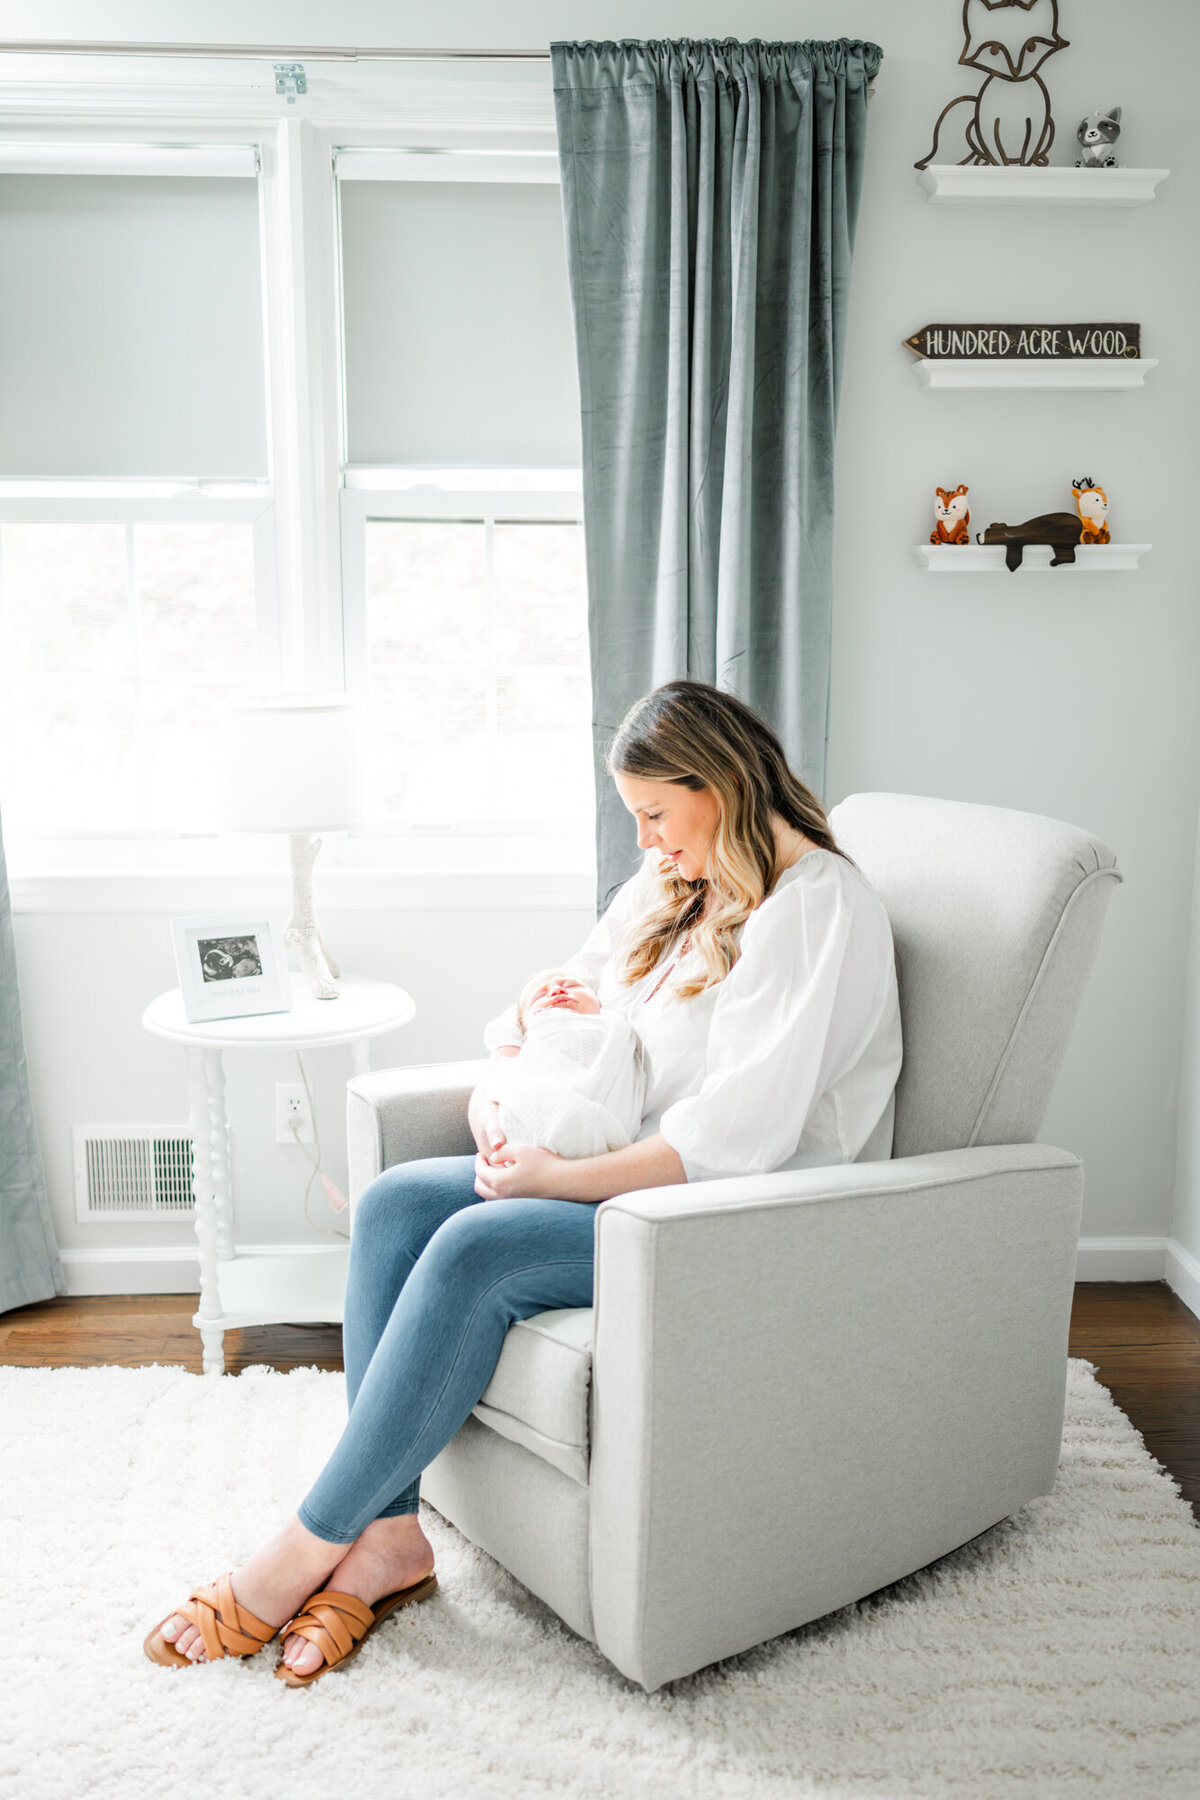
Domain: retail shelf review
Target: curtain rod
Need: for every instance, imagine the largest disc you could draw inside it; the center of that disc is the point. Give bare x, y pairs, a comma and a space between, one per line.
326, 53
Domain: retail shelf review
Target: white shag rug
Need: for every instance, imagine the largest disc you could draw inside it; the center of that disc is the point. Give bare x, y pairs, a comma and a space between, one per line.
1056, 1656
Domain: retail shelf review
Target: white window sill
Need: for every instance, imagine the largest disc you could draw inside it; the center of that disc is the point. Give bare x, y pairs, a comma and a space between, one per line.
337, 890
408, 872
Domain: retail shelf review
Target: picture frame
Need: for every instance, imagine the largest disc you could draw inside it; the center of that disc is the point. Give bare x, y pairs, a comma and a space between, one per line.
231, 965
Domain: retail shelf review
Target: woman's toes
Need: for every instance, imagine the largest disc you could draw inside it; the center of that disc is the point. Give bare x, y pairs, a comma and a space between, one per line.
189, 1642
174, 1625
303, 1655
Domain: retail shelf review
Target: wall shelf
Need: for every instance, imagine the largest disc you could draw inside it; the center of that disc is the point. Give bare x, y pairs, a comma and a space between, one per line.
986, 559
969, 184
1099, 372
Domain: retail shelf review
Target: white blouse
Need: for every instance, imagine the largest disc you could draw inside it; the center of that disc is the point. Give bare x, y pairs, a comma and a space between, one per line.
792, 1060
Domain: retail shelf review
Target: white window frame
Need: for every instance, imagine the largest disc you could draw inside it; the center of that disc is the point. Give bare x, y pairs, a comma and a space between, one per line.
310, 521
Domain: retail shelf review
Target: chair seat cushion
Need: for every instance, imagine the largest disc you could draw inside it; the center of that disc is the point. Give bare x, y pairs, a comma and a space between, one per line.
539, 1392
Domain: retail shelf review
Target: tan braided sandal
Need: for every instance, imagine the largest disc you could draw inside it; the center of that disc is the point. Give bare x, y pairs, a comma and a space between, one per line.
339, 1624
228, 1629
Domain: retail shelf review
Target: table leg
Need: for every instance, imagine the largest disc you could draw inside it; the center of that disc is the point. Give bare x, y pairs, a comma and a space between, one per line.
211, 1336
220, 1163
360, 1050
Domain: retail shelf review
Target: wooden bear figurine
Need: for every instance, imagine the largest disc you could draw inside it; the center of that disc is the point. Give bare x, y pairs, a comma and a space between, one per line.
953, 516
1061, 529
1091, 503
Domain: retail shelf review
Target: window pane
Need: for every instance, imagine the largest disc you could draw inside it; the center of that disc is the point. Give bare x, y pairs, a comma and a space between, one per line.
544, 749
66, 591
426, 592
132, 339
195, 587
540, 593
110, 717
428, 736
480, 679
182, 750
77, 768
458, 335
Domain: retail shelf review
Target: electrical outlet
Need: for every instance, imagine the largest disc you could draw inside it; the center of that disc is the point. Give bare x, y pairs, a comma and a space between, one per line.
291, 1108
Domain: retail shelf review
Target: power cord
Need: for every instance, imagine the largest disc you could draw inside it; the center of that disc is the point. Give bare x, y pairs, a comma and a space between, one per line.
336, 1198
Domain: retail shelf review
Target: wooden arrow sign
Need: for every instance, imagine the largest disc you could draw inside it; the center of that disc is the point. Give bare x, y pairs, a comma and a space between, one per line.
1063, 342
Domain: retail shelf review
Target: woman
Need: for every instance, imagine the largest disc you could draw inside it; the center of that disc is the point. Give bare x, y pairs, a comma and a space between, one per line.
758, 967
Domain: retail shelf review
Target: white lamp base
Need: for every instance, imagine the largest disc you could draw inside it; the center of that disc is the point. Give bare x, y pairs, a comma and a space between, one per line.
301, 933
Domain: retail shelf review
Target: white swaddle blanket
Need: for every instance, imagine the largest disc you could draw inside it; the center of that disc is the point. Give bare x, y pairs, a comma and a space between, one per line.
577, 1087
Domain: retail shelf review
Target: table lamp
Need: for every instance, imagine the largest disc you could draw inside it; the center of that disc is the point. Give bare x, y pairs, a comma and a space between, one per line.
292, 764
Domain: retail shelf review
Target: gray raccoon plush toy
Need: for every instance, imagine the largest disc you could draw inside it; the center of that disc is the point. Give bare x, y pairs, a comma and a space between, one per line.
1096, 136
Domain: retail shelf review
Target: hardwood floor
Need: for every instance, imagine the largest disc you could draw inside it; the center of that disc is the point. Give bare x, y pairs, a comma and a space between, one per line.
137, 1329
1144, 1342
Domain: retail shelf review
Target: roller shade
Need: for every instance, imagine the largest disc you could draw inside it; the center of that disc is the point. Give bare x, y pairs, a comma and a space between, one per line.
459, 349
131, 333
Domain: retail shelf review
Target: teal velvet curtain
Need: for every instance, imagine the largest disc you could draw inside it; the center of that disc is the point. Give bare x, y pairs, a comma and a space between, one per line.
30, 1268
710, 192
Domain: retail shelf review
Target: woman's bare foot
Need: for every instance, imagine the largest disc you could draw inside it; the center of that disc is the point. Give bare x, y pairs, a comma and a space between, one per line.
390, 1554
273, 1584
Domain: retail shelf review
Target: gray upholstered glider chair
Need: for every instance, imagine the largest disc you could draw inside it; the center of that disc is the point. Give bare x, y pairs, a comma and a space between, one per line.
797, 1388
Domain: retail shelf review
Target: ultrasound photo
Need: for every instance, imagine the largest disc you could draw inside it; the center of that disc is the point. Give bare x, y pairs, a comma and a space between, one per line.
229, 958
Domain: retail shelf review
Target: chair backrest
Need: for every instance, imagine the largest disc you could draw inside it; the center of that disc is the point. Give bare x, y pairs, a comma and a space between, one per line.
997, 918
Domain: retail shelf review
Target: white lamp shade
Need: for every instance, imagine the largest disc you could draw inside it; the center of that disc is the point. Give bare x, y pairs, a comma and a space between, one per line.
292, 764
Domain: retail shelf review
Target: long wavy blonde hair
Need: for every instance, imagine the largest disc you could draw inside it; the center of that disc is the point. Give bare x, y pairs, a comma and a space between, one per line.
696, 735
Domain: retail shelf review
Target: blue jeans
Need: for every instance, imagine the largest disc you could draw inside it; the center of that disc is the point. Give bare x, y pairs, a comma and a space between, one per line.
436, 1277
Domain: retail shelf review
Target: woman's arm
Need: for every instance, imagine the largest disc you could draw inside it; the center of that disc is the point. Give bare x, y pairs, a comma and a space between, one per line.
526, 1172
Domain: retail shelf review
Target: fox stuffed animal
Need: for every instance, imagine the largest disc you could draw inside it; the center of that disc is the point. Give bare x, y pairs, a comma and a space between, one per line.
1091, 503
953, 516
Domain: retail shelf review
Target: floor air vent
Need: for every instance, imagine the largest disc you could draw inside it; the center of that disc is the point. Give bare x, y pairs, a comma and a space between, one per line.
133, 1172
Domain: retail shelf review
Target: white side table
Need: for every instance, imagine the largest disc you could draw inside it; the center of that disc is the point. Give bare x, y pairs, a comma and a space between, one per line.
263, 1290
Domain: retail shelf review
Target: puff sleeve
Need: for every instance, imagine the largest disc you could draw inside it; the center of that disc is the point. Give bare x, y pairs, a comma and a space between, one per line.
587, 963
797, 1011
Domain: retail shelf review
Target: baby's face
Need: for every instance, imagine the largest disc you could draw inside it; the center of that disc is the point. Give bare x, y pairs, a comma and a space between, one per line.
553, 991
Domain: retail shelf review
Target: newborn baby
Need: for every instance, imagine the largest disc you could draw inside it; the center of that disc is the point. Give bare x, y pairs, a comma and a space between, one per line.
577, 1086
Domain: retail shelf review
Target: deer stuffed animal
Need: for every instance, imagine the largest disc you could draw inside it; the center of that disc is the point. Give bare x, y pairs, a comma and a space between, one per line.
1091, 503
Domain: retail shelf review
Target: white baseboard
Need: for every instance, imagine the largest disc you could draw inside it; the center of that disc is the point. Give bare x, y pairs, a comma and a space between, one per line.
174, 1269
1120, 1259
1183, 1275
152, 1268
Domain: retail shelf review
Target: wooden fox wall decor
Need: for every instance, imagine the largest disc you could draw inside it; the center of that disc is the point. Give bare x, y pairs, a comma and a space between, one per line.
1009, 118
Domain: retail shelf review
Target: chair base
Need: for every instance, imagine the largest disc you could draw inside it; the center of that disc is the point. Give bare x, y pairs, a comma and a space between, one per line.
527, 1514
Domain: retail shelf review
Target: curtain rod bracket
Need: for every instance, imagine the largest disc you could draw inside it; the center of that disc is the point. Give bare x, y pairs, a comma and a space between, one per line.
291, 80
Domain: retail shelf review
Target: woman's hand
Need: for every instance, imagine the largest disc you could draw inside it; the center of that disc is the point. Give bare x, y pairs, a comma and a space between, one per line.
483, 1117
520, 1171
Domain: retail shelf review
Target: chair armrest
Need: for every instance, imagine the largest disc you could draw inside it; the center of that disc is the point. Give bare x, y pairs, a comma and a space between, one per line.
808, 1384
398, 1115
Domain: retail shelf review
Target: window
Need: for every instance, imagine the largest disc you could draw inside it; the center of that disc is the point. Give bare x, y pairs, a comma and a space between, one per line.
131, 340
121, 641
290, 416
136, 554
457, 320
467, 637
462, 538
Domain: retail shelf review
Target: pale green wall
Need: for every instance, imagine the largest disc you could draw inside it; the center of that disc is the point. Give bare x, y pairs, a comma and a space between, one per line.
1063, 695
